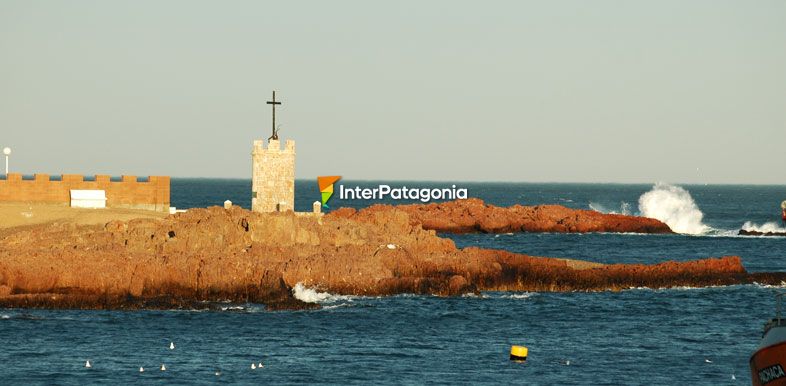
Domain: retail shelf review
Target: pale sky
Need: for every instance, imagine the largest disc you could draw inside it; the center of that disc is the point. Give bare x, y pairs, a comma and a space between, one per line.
573, 91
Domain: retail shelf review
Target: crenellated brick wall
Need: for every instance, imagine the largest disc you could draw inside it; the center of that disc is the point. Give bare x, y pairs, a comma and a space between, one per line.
127, 193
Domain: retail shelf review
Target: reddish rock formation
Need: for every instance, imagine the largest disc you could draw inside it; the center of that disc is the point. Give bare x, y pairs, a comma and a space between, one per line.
473, 215
211, 255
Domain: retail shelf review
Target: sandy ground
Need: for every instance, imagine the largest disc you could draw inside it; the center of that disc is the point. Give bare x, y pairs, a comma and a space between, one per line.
582, 264
13, 215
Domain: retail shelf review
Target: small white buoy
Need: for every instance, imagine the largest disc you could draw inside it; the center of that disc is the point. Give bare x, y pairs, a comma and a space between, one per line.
163, 368
733, 378
171, 345
253, 366
567, 362
707, 361
218, 373
260, 365
141, 369
391, 246
88, 365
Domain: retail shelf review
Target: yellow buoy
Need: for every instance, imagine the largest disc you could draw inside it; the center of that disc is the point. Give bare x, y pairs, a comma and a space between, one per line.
518, 353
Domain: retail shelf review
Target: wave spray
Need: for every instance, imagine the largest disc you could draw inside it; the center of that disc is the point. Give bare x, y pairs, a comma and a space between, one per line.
674, 206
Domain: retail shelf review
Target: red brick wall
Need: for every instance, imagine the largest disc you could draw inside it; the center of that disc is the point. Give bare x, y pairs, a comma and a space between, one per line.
128, 193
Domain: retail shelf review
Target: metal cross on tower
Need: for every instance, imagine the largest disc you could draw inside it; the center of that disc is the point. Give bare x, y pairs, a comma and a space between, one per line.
274, 103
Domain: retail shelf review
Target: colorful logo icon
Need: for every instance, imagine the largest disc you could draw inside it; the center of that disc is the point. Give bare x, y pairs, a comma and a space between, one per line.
326, 187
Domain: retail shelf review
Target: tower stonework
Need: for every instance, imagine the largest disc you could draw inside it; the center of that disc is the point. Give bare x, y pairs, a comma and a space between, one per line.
273, 176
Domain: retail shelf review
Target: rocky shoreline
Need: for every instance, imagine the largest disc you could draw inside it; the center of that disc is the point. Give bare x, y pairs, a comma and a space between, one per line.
744, 232
207, 257
473, 215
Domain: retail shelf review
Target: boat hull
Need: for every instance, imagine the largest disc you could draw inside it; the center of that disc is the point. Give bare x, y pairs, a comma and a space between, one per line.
768, 365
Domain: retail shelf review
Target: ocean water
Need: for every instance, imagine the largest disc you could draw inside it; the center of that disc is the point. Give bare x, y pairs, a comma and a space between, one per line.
637, 336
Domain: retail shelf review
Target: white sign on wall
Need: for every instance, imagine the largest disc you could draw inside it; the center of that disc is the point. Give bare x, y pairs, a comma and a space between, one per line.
88, 199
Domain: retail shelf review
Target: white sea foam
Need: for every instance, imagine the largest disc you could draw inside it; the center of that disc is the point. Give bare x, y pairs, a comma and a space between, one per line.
233, 308
525, 295
782, 285
725, 233
623, 209
674, 206
597, 207
675, 288
311, 295
764, 228
778, 286
334, 306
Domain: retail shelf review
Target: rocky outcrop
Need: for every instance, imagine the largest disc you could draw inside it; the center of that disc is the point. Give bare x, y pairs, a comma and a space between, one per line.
744, 232
473, 215
204, 257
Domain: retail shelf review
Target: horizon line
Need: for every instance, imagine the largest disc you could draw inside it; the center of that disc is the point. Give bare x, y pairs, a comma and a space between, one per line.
504, 181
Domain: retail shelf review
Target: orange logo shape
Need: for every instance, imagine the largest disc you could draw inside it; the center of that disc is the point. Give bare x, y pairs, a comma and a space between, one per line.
326, 187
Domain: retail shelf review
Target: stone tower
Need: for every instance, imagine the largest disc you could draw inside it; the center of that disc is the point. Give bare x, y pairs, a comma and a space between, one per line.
273, 176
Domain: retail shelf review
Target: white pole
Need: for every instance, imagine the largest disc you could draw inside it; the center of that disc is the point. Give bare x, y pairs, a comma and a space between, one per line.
6, 152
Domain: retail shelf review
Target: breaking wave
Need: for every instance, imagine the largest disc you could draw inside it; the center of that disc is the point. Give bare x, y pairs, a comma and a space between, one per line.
311, 295
623, 209
764, 228
674, 206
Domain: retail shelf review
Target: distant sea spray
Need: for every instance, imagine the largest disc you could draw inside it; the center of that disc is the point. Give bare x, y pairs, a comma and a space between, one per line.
668, 203
674, 206
763, 228
623, 209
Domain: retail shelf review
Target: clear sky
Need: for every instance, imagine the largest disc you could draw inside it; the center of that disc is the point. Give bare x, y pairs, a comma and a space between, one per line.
585, 91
